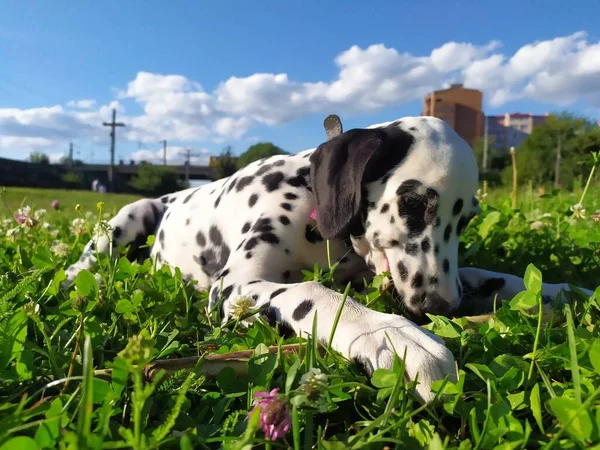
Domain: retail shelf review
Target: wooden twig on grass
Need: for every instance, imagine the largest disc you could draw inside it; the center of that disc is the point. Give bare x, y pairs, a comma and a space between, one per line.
238, 361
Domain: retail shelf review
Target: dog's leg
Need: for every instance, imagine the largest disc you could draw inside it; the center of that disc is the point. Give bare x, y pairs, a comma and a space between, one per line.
362, 334
132, 225
481, 288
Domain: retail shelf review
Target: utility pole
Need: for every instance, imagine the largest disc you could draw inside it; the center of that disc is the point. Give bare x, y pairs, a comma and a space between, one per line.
164, 143
70, 155
188, 157
485, 144
112, 126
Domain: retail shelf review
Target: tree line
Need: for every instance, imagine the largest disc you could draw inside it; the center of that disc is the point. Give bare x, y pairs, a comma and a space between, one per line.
557, 153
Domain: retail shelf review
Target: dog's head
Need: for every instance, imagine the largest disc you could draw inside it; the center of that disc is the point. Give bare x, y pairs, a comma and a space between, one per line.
403, 192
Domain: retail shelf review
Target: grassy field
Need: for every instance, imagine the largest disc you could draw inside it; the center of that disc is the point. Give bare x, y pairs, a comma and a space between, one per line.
72, 364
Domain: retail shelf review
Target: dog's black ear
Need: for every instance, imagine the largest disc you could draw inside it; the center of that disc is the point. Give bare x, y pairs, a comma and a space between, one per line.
341, 166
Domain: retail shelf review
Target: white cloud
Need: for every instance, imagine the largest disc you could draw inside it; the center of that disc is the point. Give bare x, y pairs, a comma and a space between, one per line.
557, 71
82, 104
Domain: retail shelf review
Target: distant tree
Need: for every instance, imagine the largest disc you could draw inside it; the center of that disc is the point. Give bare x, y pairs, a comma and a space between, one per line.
259, 151
39, 158
65, 160
225, 164
73, 180
577, 136
155, 180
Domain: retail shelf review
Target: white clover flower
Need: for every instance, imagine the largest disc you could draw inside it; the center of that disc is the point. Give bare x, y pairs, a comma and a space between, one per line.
25, 217
60, 249
38, 214
102, 228
88, 214
240, 307
78, 226
546, 215
578, 211
314, 384
537, 225
12, 233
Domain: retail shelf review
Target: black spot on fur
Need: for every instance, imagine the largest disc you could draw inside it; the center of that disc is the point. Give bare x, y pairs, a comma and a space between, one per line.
457, 208
312, 235
252, 200
224, 273
164, 199
411, 248
491, 285
254, 281
251, 243
436, 249
269, 238
117, 232
403, 271
425, 245
302, 310
248, 255
200, 239
286, 206
218, 200
279, 162
273, 181
188, 198
286, 275
290, 195
161, 237
263, 225
270, 313
284, 220
433, 280
417, 280
394, 243
188, 220
462, 224
215, 235
446, 266
246, 227
385, 208
417, 210
244, 182
231, 185
447, 232
277, 292
438, 222
130, 216
264, 169
227, 291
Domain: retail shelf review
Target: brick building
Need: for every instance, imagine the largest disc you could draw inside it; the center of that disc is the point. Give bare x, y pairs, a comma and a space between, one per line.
460, 108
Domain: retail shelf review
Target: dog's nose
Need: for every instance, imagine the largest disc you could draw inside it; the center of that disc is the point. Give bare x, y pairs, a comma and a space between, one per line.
435, 304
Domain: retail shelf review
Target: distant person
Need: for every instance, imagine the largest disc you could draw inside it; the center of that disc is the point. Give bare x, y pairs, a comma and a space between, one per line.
95, 184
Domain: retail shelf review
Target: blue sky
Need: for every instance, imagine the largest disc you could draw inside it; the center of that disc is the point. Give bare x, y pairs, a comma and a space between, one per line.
54, 54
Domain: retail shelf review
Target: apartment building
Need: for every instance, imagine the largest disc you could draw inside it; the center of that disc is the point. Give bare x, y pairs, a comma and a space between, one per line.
511, 129
460, 107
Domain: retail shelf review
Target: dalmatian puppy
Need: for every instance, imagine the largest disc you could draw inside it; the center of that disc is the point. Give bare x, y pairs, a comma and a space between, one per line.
391, 198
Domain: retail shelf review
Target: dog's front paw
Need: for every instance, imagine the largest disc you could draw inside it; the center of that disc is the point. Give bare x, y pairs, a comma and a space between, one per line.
427, 358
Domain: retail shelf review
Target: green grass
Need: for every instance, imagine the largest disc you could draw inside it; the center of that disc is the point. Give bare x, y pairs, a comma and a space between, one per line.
524, 382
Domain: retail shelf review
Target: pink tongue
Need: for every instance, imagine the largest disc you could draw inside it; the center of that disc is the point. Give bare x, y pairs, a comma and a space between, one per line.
387, 263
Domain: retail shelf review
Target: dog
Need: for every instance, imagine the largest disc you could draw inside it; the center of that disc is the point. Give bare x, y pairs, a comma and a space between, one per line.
392, 198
